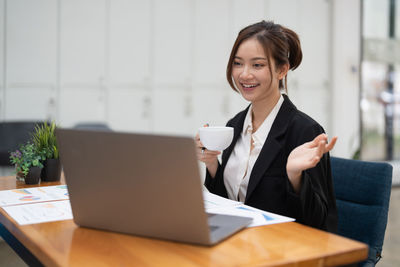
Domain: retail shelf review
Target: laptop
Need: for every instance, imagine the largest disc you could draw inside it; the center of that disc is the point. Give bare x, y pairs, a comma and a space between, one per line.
140, 184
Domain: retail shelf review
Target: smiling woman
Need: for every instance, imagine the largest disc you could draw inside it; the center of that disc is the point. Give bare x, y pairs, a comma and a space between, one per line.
278, 46
255, 78
278, 160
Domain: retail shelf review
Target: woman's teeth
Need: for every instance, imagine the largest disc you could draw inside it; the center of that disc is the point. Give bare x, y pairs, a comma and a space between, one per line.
249, 85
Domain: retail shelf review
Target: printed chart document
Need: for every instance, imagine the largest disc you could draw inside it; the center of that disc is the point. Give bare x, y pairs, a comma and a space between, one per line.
51, 203
40, 212
37, 204
221, 205
33, 195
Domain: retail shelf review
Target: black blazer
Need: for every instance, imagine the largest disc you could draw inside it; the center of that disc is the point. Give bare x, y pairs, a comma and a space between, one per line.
269, 187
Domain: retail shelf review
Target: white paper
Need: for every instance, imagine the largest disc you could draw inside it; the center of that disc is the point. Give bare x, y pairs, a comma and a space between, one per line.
22, 206
33, 195
40, 212
215, 201
220, 205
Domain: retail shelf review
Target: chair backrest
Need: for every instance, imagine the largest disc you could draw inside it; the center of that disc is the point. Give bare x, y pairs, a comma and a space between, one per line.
94, 126
362, 197
12, 134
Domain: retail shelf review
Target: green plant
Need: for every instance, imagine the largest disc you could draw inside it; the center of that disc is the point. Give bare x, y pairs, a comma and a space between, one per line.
26, 157
45, 140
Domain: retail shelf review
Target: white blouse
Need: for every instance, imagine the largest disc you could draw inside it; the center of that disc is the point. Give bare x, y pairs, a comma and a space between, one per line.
240, 163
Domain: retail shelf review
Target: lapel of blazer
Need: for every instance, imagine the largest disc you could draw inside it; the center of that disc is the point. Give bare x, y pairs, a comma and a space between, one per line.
272, 145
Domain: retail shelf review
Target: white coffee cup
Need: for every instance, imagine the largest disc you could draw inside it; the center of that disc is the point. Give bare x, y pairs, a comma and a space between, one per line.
216, 138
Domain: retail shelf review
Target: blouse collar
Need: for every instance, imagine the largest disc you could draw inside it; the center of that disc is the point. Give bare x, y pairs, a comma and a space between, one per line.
262, 132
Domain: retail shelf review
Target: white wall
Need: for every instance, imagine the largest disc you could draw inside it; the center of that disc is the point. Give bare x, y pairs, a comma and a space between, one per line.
345, 76
2, 59
159, 66
311, 81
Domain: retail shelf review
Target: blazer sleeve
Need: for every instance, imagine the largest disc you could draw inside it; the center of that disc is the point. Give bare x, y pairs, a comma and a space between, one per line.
210, 182
315, 203
216, 185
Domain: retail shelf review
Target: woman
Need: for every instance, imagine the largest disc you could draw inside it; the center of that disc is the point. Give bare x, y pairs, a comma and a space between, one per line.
278, 160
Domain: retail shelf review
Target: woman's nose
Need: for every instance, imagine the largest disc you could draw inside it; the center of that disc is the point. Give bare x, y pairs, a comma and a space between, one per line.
246, 74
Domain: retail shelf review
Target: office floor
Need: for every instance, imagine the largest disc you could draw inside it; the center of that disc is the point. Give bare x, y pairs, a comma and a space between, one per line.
391, 255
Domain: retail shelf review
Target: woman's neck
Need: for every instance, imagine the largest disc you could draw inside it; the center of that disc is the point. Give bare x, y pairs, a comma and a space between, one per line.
261, 109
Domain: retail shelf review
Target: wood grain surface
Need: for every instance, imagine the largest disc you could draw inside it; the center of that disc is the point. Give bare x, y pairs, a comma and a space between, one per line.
63, 243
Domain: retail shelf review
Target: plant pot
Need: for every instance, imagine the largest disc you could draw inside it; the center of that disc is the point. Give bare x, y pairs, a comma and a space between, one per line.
19, 175
52, 170
33, 175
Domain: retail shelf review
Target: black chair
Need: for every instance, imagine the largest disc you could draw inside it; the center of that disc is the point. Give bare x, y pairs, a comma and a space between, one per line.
362, 197
94, 126
12, 134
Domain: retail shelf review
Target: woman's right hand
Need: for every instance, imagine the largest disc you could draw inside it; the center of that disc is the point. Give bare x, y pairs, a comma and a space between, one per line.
210, 158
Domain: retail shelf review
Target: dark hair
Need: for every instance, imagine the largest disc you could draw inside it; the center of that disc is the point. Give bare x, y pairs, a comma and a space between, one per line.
279, 43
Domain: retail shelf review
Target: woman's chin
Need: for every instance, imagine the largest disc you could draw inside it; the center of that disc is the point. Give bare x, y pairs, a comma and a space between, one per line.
249, 96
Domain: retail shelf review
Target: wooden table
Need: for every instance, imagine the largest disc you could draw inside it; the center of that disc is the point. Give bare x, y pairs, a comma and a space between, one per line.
288, 244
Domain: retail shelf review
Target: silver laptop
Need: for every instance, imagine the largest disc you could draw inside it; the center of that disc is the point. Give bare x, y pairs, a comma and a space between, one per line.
145, 185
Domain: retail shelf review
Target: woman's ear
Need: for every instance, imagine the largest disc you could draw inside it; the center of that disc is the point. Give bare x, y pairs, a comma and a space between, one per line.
283, 70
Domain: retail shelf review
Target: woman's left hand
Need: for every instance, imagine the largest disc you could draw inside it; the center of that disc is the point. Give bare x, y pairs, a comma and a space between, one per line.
307, 156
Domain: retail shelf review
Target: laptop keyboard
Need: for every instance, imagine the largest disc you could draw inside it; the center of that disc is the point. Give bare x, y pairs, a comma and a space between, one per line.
213, 227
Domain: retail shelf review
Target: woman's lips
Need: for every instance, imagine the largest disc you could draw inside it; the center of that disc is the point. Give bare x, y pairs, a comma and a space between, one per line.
248, 86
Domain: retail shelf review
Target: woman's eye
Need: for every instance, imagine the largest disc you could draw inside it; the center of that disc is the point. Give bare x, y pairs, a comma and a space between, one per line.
258, 65
235, 63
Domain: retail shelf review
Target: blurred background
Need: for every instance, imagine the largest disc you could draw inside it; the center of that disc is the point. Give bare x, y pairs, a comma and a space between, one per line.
158, 66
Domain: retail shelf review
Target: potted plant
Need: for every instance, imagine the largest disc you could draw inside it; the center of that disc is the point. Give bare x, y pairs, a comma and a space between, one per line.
44, 138
16, 159
28, 163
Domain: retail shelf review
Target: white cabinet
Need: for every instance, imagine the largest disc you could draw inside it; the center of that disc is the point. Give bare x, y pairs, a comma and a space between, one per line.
313, 101
284, 12
146, 66
173, 111
130, 63
345, 96
82, 61
211, 106
315, 41
375, 18
310, 19
82, 42
313, 75
211, 42
30, 103
81, 105
130, 109
2, 57
173, 41
130, 38
245, 13
31, 42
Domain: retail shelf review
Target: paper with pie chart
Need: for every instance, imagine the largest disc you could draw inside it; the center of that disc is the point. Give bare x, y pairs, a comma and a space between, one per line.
40, 212
33, 195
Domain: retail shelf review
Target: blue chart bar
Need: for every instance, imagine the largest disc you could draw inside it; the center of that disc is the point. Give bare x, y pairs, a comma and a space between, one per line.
268, 218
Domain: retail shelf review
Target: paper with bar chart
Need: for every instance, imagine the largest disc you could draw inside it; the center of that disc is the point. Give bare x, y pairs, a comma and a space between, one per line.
40, 212
220, 205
